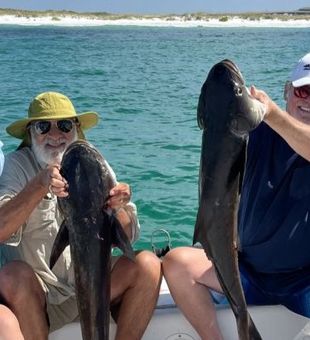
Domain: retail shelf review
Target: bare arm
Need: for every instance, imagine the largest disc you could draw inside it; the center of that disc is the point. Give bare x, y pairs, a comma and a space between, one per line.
15, 212
294, 132
126, 219
119, 201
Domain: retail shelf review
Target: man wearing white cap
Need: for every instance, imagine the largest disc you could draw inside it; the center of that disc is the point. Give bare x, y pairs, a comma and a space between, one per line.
273, 220
42, 300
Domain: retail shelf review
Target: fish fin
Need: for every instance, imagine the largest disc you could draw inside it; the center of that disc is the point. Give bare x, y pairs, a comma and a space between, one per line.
242, 169
238, 169
199, 232
120, 239
202, 112
60, 243
197, 237
253, 331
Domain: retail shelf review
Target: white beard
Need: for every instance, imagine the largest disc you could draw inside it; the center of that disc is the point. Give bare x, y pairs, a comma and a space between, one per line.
46, 156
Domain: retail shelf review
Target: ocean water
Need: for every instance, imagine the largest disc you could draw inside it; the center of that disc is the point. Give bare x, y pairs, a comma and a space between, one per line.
144, 82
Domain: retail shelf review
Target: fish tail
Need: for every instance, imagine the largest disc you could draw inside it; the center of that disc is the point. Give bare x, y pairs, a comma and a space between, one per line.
199, 230
246, 327
254, 334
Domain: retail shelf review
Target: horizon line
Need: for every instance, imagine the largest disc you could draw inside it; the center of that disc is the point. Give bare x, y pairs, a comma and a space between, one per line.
303, 10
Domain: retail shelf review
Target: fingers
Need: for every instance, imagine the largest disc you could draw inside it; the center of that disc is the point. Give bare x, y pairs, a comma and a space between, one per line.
258, 94
120, 195
57, 184
255, 93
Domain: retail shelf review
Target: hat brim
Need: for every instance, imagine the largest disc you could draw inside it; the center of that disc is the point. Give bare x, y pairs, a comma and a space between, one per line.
301, 82
86, 120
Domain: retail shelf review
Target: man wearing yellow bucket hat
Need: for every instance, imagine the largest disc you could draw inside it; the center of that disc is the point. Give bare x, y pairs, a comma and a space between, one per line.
42, 300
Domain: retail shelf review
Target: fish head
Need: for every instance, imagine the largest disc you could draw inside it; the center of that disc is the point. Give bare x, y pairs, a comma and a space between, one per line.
225, 103
88, 176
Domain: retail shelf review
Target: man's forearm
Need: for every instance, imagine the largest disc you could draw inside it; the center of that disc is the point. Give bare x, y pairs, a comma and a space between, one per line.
296, 134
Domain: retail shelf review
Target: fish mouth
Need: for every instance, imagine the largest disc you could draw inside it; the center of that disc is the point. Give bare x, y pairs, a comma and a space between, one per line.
229, 75
78, 143
234, 71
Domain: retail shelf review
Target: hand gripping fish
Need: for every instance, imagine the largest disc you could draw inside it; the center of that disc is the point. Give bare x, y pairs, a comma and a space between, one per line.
226, 112
90, 230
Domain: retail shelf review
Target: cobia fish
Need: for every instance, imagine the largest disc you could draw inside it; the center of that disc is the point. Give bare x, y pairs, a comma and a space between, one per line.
226, 112
90, 230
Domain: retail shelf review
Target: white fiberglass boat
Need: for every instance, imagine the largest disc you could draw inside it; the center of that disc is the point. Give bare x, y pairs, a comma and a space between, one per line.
168, 323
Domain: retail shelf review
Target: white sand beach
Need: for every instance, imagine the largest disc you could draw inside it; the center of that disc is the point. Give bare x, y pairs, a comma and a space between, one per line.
232, 21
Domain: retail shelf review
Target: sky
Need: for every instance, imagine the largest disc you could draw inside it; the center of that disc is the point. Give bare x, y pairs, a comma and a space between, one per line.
158, 6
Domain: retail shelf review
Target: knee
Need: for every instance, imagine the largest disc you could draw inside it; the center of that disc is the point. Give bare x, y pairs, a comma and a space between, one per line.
176, 260
8, 321
147, 263
145, 271
15, 280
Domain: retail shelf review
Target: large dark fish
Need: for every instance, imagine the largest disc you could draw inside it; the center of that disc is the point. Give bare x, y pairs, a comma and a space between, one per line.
226, 112
90, 231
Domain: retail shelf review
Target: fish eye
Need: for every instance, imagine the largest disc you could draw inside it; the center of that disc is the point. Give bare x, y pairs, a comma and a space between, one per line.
238, 91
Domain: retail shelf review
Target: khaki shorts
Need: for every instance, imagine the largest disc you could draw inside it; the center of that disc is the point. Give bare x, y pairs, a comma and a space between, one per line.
60, 315
66, 312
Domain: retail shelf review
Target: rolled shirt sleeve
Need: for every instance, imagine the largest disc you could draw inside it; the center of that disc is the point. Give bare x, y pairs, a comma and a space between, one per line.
19, 168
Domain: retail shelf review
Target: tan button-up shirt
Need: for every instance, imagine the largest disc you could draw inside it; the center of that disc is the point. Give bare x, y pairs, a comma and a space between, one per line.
34, 240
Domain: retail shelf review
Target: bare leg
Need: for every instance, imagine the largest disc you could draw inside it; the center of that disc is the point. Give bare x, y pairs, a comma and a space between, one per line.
9, 326
137, 286
189, 273
22, 293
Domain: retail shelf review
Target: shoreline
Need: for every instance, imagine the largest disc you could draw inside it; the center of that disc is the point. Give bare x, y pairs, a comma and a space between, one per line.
175, 21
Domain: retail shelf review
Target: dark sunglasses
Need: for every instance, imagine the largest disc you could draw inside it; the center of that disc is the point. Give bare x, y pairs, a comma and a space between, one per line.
43, 126
302, 91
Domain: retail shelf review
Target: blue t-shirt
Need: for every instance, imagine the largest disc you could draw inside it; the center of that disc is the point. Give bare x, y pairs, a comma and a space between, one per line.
274, 218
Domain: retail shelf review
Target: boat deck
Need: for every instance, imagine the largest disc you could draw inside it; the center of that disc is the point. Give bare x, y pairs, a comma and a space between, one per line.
168, 323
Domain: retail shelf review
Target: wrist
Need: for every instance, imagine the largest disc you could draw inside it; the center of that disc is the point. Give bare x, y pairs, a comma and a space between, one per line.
272, 112
38, 186
125, 219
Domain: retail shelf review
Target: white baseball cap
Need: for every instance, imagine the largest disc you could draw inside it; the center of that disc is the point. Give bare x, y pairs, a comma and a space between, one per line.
301, 73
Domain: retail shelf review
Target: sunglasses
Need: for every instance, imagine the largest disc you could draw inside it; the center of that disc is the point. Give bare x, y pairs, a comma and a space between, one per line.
302, 91
42, 127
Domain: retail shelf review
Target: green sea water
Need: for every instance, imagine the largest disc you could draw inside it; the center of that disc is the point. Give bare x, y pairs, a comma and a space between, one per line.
144, 82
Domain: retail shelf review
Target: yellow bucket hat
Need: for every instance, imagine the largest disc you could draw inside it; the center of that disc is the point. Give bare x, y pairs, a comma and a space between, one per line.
49, 106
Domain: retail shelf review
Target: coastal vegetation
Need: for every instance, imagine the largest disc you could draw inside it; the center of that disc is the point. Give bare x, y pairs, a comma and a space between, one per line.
56, 15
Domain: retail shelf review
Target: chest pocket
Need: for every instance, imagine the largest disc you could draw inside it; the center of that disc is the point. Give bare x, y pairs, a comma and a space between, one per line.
43, 217
300, 183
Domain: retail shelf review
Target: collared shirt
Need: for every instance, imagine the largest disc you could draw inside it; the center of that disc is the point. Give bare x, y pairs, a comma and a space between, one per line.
33, 241
274, 221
